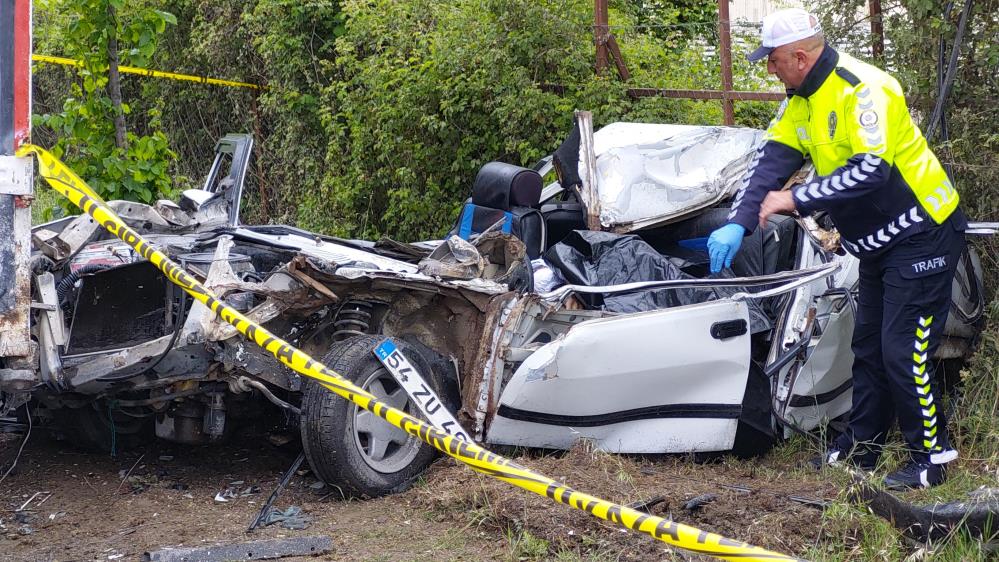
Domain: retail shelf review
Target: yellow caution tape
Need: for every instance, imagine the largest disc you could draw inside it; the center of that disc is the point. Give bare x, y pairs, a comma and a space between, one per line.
147, 72
63, 180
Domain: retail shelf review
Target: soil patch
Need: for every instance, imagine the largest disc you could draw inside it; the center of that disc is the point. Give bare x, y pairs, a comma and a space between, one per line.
110, 508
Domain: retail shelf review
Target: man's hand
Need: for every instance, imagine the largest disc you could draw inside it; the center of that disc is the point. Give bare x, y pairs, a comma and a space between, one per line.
775, 202
723, 244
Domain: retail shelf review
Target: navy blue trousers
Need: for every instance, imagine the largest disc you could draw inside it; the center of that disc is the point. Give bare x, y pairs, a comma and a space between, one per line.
904, 299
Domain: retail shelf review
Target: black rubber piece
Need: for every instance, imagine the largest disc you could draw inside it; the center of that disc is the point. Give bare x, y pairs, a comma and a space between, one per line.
327, 423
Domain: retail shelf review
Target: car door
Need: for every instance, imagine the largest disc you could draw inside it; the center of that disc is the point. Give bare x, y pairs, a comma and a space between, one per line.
810, 362
653, 382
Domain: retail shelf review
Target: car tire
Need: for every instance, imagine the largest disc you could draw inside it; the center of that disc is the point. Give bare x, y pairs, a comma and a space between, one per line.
376, 459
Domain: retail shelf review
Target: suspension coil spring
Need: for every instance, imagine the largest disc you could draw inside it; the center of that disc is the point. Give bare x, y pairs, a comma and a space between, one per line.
352, 319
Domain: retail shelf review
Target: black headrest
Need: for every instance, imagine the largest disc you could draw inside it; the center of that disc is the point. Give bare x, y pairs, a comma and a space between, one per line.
502, 186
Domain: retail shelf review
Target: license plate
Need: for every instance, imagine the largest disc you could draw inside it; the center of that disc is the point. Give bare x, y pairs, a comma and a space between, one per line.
419, 391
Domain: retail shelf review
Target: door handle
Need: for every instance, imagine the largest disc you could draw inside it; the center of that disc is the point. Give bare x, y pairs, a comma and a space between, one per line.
728, 329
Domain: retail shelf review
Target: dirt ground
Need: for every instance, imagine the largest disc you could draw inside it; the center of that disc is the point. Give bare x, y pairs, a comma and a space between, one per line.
104, 508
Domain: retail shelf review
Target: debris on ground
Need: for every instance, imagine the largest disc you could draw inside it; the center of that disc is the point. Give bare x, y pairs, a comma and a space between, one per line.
292, 518
236, 489
646, 505
253, 550
699, 502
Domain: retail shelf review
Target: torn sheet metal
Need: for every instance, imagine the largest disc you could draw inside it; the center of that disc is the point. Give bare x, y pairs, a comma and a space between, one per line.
282, 289
822, 388
351, 263
83, 369
650, 174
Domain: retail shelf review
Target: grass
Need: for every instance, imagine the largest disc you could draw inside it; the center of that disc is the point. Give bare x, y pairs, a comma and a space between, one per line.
525, 546
46, 206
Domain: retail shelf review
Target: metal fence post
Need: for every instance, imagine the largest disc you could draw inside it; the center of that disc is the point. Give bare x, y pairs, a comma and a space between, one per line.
601, 29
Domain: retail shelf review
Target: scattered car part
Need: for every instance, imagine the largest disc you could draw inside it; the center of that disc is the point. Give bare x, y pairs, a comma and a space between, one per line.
264, 549
646, 505
266, 508
698, 502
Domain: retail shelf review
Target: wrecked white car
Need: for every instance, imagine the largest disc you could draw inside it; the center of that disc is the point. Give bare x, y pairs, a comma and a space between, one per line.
580, 310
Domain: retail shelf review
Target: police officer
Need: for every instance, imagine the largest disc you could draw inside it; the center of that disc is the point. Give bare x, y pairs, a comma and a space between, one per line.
895, 209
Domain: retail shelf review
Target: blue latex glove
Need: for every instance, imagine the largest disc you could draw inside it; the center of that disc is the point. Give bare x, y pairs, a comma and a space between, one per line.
723, 244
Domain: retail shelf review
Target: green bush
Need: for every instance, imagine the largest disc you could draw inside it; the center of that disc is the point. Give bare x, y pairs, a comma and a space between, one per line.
83, 126
428, 92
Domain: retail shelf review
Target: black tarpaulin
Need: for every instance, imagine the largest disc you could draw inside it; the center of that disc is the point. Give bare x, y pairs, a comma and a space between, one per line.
594, 258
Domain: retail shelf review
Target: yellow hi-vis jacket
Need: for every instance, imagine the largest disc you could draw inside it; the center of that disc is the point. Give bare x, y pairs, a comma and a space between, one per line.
876, 177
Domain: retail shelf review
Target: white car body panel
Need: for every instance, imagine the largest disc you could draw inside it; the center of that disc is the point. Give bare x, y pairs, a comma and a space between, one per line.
650, 382
823, 383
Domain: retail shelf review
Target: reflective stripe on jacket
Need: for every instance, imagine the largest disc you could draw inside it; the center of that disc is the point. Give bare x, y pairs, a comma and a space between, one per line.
875, 174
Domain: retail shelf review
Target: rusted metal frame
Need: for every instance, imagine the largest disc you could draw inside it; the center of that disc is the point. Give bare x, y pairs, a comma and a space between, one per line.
725, 35
705, 94
601, 30
877, 30
622, 69
480, 389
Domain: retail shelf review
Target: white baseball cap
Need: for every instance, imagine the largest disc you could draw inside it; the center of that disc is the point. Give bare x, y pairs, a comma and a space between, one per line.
783, 27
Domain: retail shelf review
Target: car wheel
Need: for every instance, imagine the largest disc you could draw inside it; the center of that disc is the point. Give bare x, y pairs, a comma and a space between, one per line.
351, 448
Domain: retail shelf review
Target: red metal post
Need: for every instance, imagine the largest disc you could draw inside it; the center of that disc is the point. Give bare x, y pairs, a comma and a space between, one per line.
601, 29
22, 72
725, 34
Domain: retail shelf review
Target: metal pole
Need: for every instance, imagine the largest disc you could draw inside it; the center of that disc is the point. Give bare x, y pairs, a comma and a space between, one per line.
877, 30
16, 191
601, 29
724, 32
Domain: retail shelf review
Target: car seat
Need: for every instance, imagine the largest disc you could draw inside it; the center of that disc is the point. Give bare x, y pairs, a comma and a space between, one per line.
561, 218
505, 197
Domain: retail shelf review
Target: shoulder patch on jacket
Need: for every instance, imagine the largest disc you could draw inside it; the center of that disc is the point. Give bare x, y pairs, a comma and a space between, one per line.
847, 75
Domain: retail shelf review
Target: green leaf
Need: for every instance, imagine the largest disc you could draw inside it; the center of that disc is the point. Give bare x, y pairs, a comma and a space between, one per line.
167, 17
